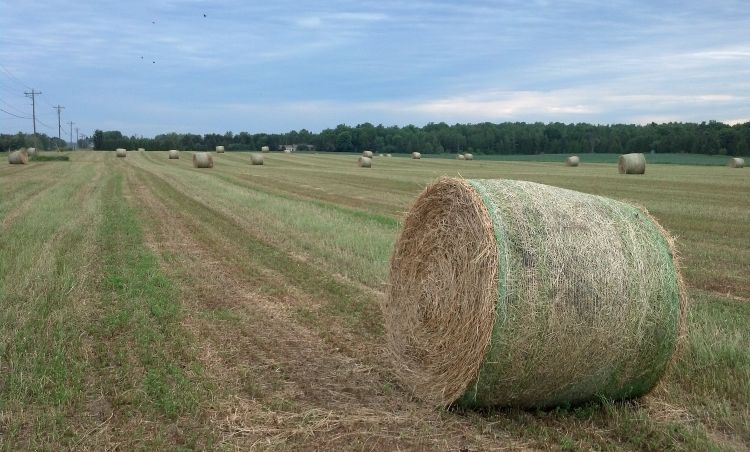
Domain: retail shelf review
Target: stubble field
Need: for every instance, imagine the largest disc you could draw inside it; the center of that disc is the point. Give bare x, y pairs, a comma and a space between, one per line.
148, 304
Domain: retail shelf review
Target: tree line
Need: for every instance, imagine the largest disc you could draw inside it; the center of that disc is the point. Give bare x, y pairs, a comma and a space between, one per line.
485, 138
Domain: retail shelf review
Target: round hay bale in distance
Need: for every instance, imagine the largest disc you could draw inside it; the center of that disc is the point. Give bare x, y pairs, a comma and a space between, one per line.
416, 155
203, 160
632, 164
514, 311
364, 162
265, 149
18, 158
256, 158
287, 151
367, 154
141, 150
219, 149
120, 152
736, 162
468, 156
573, 160
174, 154
31, 151
460, 157
387, 155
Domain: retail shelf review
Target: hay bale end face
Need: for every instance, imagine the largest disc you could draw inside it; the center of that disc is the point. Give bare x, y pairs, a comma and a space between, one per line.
514, 312
265, 149
416, 155
120, 152
736, 162
460, 157
573, 160
18, 158
203, 160
256, 158
220, 149
174, 154
367, 154
468, 156
364, 162
632, 164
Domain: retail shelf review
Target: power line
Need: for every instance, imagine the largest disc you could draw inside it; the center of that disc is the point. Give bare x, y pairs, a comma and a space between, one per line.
58, 108
13, 107
13, 77
13, 114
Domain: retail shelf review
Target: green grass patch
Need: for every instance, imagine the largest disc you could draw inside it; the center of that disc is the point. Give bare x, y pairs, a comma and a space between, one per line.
49, 158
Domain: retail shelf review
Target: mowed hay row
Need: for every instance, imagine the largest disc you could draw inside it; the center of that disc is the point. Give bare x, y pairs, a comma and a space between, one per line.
220, 149
364, 162
256, 158
736, 162
120, 152
18, 158
203, 160
468, 156
416, 155
514, 311
367, 154
174, 154
573, 160
632, 164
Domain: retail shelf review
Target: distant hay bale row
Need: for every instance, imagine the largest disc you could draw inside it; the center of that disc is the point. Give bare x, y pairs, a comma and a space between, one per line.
736, 162
416, 155
367, 154
203, 160
219, 149
265, 149
256, 158
573, 160
174, 154
513, 311
364, 162
632, 164
20, 157
120, 152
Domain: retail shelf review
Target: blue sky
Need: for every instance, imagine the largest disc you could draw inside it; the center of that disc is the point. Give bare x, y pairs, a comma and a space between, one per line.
276, 66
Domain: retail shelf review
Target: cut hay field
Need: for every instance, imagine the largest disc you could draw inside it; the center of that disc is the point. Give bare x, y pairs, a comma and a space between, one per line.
148, 304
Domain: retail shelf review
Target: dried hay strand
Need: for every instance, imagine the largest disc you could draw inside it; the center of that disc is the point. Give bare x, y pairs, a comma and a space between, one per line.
219, 149
256, 158
632, 164
460, 157
514, 311
367, 154
265, 149
468, 156
736, 162
573, 160
203, 160
174, 154
416, 155
364, 162
120, 152
18, 157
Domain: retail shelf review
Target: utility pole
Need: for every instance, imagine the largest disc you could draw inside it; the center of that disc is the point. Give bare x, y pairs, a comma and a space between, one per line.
58, 108
75, 146
71, 132
32, 95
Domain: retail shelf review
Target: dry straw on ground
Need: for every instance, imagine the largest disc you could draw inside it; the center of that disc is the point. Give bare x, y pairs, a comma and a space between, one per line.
120, 152
256, 158
736, 162
632, 164
203, 160
573, 160
460, 157
468, 156
220, 149
364, 162
367, 154
265, 149
18, 157
174, 154
548, 296
416, 155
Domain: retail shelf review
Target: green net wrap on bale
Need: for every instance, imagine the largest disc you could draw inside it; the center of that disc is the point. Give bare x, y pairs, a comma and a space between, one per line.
512, 293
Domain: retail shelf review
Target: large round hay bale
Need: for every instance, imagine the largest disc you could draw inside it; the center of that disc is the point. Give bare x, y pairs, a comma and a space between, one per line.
416, 155
364, 162
31, 151
632, 164
220, 149
573, 160
460, 157
256, 158
174, 154
18, 157
203, 160
514, 311
367, 154
736, 162
120, 152
468, 156
265, 149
